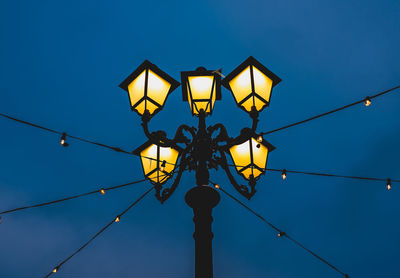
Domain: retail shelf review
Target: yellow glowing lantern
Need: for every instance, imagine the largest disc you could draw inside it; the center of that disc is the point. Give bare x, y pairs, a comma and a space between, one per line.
250, 157
148, 88
201, 88
251, 85
158, 162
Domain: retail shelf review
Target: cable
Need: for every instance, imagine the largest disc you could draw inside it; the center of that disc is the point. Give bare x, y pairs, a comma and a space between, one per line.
285, 171
330, 175
117, 149
99, 191
64, 136
366, 100
280, 232
116, 219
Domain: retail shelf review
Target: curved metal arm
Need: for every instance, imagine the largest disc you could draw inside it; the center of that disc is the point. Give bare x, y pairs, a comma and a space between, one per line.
181, 138
221, 137
160, 137
167, 192
242, 189
254, 116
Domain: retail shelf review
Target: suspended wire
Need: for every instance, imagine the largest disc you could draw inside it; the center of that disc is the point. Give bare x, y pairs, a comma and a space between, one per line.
367, 102
280, 232
64, 136
329, 175
285, 171
101, 191
116, 219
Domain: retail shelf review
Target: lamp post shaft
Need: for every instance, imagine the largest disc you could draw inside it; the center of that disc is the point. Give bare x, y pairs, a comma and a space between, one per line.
202, 199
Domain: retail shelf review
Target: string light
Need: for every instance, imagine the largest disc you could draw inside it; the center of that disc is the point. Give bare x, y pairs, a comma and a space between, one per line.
55, 269
117, 219
259, 139
389, 184
216, 186
102, 191
367, 101
284, 176
163, 166
281, 234
63, 140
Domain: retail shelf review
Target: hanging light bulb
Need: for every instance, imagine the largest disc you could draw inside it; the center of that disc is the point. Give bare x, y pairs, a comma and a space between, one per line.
216, 186
367, 101
284, 176
102, 191
63, 140
162, 168
281, 234
117, 219
389, 184
259, 139
55, 269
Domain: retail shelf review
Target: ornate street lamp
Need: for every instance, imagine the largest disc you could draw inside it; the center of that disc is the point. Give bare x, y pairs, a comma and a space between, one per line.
202, 148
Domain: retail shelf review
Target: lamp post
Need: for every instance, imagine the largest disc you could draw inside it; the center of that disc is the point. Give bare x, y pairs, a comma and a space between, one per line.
251, 85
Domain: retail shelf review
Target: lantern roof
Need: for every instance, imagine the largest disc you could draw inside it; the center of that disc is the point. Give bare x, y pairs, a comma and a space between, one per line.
148, 65
250, 61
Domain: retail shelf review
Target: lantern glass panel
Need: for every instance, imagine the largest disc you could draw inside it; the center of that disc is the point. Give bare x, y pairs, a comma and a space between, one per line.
262, 84
157, 88
136, 88
241, 85
259, 154
241, 155
201, 93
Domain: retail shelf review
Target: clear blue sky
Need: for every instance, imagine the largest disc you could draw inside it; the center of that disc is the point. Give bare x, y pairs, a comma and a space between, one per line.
60, 65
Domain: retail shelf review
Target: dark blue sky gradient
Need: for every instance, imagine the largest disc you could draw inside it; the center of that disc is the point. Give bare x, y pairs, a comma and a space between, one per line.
61, 63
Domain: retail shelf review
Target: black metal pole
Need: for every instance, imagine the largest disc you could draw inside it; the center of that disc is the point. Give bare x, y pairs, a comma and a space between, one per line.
202, 199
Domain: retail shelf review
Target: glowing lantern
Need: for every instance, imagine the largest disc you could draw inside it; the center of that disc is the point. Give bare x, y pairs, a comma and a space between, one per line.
201, 88
148, 88
251, 85
250, 157
158, 162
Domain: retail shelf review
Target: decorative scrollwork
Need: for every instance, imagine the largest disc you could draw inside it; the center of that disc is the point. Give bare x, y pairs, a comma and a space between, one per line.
242, 189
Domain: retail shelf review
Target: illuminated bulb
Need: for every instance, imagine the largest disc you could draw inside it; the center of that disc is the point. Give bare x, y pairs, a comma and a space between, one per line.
216, 186
259, 139
63, 140
281, 234
367, 101
102, 191
284, 174
389, 184
117, 219
163, 166
55, 270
